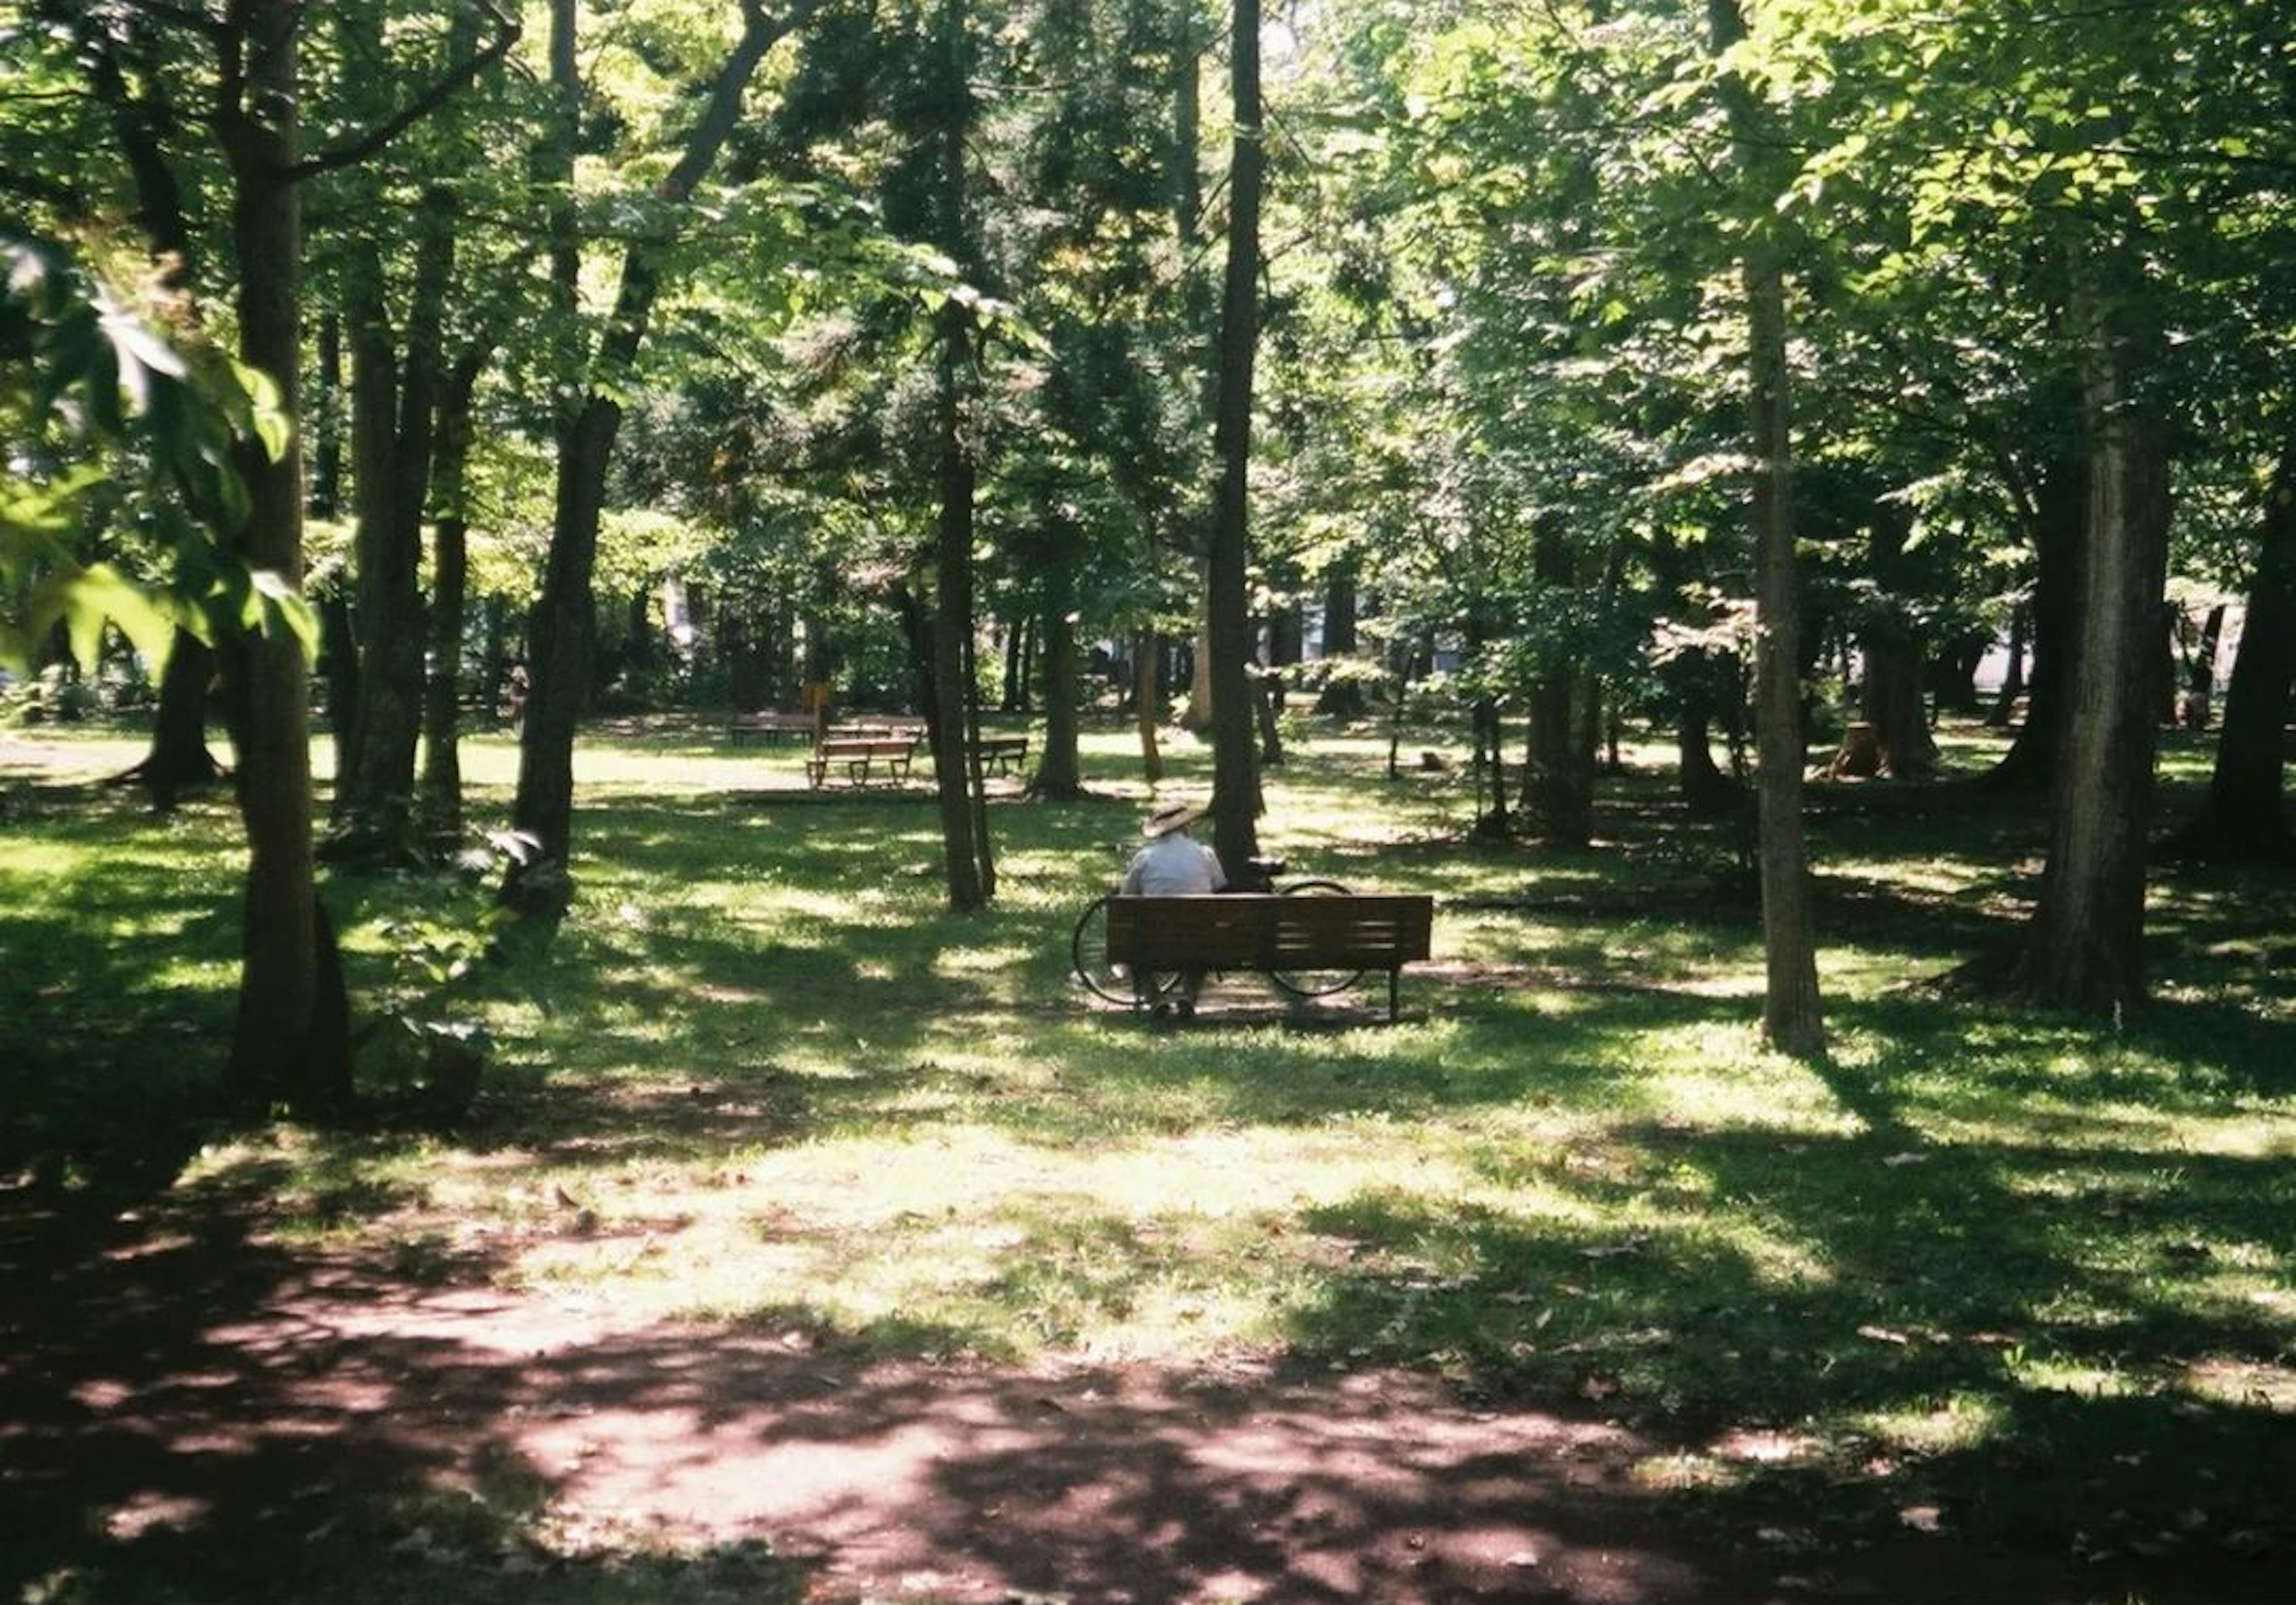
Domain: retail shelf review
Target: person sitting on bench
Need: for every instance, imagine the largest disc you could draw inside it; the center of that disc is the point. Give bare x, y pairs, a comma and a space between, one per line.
1173, 865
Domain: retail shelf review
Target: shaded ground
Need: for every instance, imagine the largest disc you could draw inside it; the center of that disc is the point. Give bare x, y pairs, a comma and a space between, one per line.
191, 1412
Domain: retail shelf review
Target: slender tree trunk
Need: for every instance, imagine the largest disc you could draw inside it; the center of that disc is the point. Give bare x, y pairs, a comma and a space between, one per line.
1891, 698
1147, 669
441, 783
292, 1037
2200, 674
1341, 699
1792, 1018
2058, 520
587, 429
2084, 948
2245, 818
1197, 716
395, 409
955, 768
179, 760
1235, 780
2013, 679
1558, 781
1705, 790
1059, 774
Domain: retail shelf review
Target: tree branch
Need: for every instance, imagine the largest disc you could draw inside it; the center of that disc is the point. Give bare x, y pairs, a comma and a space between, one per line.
507, 30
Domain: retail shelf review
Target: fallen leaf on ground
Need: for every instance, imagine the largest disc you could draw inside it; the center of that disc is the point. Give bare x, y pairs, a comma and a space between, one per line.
1922, 1517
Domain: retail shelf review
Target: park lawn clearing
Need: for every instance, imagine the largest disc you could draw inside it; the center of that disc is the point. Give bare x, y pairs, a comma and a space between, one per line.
2005, 1293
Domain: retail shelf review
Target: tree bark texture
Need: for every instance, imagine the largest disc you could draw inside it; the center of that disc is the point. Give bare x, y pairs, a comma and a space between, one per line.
1793, 1016
2058, 520
955, 769
1059, 774
1340, 699
1891, 697
1235, 778
2084, 948
140, 114
2245, 818
394, 406
2013, 679
560, 627
1148, 694
441, 782
293, 1035
1558, 782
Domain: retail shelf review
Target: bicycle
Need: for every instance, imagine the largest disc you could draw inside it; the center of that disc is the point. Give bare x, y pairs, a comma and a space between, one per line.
1088, 947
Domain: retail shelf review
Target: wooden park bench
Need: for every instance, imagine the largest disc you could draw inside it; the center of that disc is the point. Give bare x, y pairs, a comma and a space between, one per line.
1003, 754
769, 724
1281, 937
858, 757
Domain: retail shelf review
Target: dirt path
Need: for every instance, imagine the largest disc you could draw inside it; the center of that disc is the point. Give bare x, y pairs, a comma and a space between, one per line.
179, 1397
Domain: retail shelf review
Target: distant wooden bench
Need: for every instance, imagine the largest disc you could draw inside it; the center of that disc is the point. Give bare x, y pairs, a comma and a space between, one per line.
770, 724
858, 757
1266, 932
1003, 754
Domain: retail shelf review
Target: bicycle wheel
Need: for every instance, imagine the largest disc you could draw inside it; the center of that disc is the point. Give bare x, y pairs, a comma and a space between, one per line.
1088, 949
1315, 983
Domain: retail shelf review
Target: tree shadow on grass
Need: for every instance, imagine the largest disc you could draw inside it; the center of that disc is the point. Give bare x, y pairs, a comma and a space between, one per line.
1816, 1361
201, 1417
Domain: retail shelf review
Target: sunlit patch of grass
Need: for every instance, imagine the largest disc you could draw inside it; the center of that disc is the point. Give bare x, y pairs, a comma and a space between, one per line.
1963, 1421
770, 1082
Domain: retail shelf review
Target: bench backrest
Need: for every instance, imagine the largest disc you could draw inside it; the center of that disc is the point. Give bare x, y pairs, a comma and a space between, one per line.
865, 747
1256, 930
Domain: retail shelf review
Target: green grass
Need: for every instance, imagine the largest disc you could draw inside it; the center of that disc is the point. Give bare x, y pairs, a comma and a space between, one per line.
2034, 1267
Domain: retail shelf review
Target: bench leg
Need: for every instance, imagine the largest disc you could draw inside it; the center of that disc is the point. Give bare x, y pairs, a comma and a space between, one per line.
1394, 989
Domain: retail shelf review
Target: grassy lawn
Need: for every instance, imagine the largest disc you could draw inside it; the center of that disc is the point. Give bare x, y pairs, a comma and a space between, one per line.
2026, 1277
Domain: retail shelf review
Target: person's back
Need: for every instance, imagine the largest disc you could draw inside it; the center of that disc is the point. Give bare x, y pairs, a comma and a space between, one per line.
1173, 865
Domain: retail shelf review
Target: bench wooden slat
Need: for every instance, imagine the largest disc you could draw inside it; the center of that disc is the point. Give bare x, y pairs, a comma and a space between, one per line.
859, 754
1265, 931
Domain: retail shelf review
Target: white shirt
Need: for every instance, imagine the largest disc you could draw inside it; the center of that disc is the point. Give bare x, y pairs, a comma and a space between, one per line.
1174, 865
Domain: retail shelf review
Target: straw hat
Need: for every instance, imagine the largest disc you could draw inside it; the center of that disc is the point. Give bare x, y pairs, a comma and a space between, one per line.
1171, 816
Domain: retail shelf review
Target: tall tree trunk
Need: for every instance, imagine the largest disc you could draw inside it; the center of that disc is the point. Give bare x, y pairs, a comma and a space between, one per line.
441, 787
179, 760
956, 766
2057, 517
586, 432
1793, 1016
1235, 778
292, 1036
1891, 698
1059, 774
394, 416
2013, 678
2084, 948
1147, 699
2245, 818
1558, 779
1343, 699
2200, 672
1197, 716
1705, 790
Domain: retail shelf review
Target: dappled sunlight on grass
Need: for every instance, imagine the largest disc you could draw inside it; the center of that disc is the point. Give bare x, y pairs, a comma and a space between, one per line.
764, 1079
